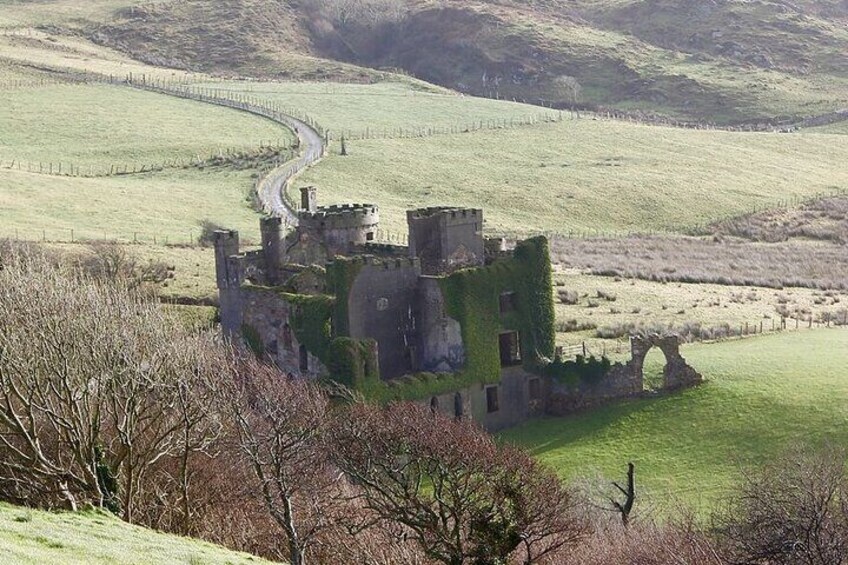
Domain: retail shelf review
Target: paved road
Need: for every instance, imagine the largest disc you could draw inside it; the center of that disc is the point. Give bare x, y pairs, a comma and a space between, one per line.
271, 188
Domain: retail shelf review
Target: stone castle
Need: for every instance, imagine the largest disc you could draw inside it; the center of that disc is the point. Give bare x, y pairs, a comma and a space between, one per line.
452, 318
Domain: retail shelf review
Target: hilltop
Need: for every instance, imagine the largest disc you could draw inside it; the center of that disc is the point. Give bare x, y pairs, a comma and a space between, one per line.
725, 61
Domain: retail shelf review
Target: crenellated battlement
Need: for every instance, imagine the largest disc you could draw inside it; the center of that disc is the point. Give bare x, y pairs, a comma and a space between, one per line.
447, 212
345, 216
387, 263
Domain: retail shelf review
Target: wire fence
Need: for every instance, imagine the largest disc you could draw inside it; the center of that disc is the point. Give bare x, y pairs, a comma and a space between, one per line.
272, 153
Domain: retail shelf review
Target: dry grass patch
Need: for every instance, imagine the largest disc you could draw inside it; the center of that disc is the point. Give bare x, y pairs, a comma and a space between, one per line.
720, 261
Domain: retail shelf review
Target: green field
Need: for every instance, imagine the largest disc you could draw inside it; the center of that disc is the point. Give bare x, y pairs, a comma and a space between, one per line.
96, 126
32, 537
385, 108
762, 395
169, 204
584, 175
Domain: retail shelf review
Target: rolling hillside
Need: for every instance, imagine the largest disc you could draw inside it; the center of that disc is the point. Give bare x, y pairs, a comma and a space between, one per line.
724, 61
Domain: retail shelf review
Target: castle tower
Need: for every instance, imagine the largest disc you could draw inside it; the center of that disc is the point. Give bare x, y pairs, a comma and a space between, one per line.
309, 199
272, 247
339, 228
446, 239
229, 278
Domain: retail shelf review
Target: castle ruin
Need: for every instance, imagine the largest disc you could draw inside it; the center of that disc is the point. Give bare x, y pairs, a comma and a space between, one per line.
452, 318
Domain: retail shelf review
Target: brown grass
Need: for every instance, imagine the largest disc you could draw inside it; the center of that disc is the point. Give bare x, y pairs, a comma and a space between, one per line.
718, 260
821, 219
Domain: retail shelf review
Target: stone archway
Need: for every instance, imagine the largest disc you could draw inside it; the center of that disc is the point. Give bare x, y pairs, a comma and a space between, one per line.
677, 373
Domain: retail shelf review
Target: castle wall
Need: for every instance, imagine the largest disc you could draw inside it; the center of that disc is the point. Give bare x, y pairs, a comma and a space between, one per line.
446, 239
517, 400
382, 306
268, 315
440, 344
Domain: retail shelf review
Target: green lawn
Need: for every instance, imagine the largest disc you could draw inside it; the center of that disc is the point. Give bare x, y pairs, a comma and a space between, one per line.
384, 108
169, 204
762, 395
584, 175
31, 537
96, 126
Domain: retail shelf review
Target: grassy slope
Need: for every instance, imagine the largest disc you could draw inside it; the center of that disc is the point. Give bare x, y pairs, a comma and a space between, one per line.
659, 55
585, 174
384, 107
18, 13
761, 395
98, 126
168, 204
32, 537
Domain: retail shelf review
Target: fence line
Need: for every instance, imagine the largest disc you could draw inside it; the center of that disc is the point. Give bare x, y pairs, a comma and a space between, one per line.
275, 154
601, 347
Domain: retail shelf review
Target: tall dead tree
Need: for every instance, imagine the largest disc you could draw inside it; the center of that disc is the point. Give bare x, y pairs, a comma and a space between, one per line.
629, 496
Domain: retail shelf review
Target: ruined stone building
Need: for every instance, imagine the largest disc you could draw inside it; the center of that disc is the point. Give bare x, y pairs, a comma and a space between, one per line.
450, 316
452, 319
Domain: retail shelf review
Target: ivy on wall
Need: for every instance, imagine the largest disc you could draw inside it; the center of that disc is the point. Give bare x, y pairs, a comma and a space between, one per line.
311, 321
341, 274
583, 370
353, 362
472, 297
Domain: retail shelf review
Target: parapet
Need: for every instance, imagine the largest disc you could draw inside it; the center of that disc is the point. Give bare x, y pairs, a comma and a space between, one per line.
447, 212
343, 216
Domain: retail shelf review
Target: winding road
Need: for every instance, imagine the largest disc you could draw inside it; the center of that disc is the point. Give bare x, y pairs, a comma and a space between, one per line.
271, 189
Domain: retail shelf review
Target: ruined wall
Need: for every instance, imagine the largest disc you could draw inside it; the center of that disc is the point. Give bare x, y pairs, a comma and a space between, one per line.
624, 380
440, 344
268, 317
382, 306
520, 396
446, 239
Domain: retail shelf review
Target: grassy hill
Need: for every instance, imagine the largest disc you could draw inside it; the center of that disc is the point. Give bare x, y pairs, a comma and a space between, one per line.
761, 396
95, 538
98, 126
729, 61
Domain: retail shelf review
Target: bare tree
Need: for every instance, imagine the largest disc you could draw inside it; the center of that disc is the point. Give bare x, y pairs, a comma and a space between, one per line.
94, 382
460, 496
281, 429
629, 493
794, 510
